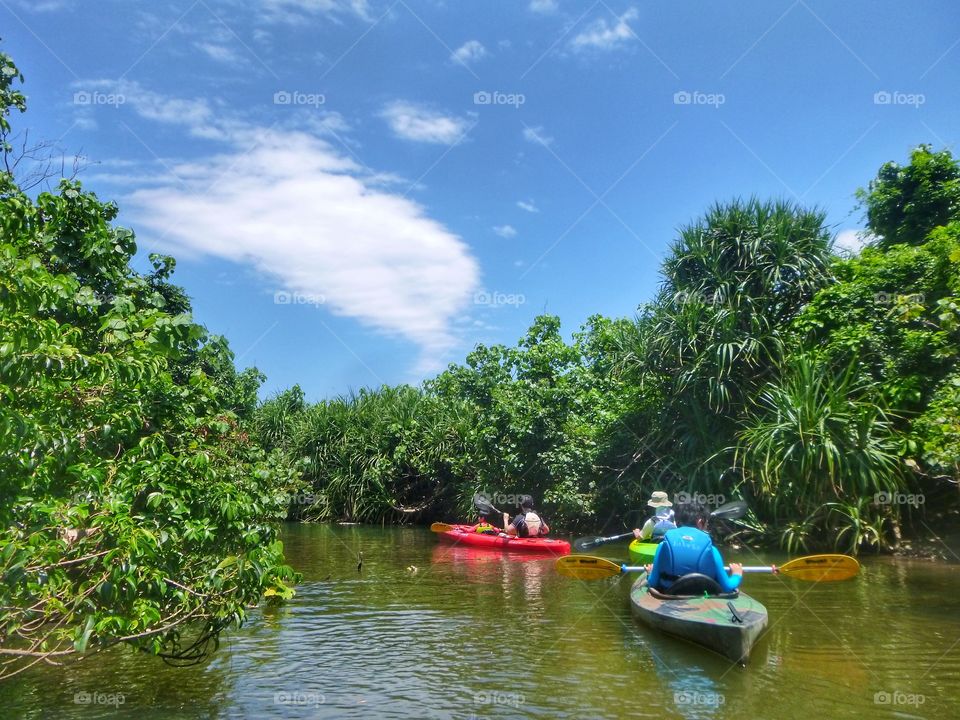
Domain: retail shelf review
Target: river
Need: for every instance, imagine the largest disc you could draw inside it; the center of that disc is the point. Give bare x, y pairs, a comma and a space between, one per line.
430, 631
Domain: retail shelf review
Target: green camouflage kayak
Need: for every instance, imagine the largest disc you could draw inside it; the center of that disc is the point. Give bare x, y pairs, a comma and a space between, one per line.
729, 627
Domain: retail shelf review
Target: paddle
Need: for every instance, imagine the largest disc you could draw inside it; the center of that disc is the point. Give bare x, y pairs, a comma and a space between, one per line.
730, 511
483, 506
815, 568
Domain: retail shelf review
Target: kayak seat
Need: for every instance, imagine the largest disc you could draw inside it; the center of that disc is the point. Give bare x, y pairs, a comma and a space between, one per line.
693, 585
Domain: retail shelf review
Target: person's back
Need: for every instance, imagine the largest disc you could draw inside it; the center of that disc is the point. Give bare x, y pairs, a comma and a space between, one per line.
528, 523
662, 520
688, 549
661, 523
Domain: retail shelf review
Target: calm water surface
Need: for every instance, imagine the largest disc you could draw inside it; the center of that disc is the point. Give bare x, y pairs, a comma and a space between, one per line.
430, 631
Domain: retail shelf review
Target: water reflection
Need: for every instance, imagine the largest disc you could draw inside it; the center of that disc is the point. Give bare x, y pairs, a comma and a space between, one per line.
476, 633
520, 576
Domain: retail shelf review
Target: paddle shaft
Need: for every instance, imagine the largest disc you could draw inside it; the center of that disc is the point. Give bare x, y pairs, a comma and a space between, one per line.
730, 511
815, 568
746, 568
593, 542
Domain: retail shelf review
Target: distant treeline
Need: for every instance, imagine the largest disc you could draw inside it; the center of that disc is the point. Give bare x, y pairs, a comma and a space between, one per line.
824, 389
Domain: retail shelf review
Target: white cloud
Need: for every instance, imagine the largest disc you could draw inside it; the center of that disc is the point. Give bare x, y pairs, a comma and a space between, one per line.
305, 216
543, 6
469, 52
851, 241
529, 206
417, 123
297, 11
220, 53
85, 121
536, 135
46, 5
195, 114
603, 35
327, 123
505, 231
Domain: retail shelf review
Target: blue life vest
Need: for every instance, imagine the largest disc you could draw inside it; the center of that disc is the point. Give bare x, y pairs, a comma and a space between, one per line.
685, 550
663, 521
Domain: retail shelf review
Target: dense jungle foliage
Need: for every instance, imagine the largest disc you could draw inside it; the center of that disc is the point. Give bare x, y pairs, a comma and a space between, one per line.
135, 506
822, 388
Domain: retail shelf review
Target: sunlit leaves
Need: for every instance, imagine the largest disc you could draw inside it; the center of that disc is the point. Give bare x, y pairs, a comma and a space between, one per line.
126, 475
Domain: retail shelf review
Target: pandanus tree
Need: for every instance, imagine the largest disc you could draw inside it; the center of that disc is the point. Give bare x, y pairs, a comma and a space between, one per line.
732, 283
819, 449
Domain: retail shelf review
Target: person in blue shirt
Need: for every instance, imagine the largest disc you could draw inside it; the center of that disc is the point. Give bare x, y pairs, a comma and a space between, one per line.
689, 549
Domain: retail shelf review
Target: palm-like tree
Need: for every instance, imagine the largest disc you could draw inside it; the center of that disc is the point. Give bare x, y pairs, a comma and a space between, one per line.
734, 280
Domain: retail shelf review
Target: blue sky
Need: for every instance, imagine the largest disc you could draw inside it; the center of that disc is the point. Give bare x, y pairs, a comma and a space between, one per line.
359, 191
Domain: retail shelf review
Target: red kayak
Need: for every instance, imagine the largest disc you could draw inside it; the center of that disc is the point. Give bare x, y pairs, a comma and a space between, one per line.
464, 535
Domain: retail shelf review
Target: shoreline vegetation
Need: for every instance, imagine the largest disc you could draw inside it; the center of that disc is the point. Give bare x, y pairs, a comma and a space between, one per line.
821, 388
143, 482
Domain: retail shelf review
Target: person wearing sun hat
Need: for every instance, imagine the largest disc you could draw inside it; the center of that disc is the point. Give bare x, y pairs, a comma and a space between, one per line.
662, 520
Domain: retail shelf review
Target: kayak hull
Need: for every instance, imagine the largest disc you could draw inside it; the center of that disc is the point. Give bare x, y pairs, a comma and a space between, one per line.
706, 621
464, 535
641, 553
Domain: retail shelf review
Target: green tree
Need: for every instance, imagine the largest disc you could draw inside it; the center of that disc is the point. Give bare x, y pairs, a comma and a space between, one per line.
904, 203
816, 443
732, 284
135, 507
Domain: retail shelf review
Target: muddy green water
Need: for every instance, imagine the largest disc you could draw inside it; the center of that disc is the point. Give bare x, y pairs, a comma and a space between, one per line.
430, 631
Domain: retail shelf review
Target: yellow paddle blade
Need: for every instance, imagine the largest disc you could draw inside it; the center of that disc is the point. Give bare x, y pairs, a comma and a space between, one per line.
586, 567
822, 568
442, 527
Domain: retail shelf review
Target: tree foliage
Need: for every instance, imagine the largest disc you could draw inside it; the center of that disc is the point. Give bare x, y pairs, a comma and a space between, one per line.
904, 203
136, 508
